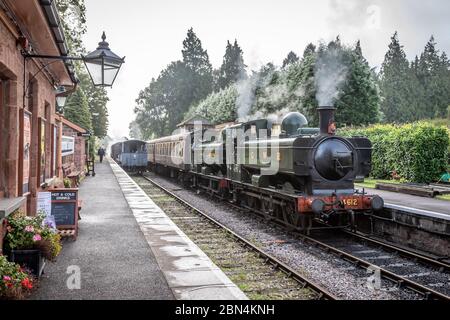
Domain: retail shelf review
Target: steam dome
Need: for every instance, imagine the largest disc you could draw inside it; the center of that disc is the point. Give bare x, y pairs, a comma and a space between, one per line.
292, 122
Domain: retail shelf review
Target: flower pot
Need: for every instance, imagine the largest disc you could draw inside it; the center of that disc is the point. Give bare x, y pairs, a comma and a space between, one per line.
29, 259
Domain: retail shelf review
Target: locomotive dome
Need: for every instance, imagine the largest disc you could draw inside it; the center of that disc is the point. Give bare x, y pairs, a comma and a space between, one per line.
292, 122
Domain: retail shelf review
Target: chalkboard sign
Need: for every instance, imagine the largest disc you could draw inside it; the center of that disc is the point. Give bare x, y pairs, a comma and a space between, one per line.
64, 213
65, 208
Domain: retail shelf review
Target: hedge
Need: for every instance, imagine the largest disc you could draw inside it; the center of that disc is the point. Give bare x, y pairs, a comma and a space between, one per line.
417, 152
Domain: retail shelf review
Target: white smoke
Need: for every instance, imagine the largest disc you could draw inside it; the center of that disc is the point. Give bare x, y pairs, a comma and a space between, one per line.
245, 98
330, 75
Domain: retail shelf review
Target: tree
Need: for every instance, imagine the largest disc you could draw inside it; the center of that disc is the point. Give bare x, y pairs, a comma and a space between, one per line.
398, 86
360, 100
433, 75
97, 100
233, 67
291, 58
199, 69
77, 109
73, 17
151, 113
309, 50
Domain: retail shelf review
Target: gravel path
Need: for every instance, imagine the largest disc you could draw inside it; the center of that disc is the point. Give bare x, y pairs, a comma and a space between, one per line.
340, 277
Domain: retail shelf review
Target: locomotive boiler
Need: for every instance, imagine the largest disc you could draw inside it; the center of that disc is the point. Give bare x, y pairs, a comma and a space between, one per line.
314, 174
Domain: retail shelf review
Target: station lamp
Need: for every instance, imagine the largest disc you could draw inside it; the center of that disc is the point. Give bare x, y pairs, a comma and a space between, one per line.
102, 64
61, 97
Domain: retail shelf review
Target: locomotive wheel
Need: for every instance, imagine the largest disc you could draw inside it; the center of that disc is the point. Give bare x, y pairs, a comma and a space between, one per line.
251, 202
265, 206
290, 216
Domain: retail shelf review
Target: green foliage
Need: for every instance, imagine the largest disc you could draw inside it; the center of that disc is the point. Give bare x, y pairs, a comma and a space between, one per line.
218, 107
416, 90
416, 152
433, 73
73, 17
97, 99
399, 86
15, 283
290, 59
233, 67
77, 109
293, 88
163, 104
197, 71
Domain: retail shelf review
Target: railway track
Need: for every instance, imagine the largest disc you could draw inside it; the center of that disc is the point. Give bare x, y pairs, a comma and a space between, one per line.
403, 272
432, 284
257, 273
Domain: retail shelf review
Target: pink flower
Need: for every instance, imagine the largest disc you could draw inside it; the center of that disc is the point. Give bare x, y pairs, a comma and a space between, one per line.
37, 237
29, 229
6, 278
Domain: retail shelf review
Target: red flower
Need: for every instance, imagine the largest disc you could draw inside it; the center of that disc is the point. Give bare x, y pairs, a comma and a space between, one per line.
26, 283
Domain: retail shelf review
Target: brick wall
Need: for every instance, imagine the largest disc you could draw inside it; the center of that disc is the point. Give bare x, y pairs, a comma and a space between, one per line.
11, 73
79, 155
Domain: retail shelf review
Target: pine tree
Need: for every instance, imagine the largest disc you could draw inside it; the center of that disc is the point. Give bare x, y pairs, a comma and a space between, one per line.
233, 67
290, 59
199, 70
359, 101
77, 109
358, 49
433, 74
309, 50
398, 86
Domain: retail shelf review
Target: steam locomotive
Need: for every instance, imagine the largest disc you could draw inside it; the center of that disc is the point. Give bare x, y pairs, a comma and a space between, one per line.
287, 172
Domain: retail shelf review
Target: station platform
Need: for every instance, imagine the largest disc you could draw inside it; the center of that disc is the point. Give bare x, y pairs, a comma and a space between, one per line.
127, 248
430, 207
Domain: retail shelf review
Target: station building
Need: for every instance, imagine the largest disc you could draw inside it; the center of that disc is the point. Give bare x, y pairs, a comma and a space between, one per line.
30, 127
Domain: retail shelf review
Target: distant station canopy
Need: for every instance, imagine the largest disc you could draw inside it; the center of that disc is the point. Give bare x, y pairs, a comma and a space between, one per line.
189, 124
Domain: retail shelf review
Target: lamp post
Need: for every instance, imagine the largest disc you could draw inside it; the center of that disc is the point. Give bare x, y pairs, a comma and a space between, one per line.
102, 64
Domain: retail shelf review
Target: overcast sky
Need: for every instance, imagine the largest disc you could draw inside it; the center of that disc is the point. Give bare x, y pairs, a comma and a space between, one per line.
150, 33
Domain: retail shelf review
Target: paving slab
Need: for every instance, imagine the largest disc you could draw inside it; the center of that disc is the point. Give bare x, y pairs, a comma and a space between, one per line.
189, 272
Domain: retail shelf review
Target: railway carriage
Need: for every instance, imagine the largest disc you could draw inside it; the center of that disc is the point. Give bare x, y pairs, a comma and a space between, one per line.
170, 154
130, 154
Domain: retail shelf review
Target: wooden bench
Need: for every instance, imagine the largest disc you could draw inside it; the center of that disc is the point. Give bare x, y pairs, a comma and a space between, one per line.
71, 172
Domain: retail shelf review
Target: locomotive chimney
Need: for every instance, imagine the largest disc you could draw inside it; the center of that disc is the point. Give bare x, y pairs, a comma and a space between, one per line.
327, 124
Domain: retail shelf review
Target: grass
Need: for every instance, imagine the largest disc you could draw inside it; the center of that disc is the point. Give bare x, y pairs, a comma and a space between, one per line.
370, 183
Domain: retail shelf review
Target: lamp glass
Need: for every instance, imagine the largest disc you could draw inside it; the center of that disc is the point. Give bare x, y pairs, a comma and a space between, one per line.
61, 101
94, 67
